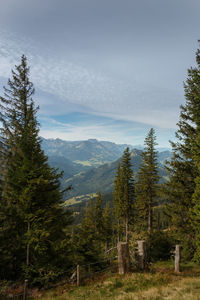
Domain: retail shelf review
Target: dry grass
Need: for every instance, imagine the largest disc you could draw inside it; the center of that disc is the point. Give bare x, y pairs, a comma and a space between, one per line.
187, 288
160, 283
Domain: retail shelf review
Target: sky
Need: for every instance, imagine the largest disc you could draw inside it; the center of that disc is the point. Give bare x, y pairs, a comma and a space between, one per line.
104, 69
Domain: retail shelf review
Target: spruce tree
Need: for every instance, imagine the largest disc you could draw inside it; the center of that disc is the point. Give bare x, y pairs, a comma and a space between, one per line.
30, 188
124, 192
89, 238
118, 200
95, 233
192, 94
99, 216
107, 226
183, 168
147, 183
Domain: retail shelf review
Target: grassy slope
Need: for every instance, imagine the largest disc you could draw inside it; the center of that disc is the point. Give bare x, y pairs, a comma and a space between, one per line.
160, 283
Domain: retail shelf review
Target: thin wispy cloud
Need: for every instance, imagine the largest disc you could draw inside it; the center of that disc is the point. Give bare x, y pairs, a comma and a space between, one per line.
82, 89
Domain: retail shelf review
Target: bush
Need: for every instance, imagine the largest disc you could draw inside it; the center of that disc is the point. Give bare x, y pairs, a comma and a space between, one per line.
159, 246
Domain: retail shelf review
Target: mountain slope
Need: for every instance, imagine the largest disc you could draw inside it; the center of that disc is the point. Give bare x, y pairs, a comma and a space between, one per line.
68, 167
102, 177
88, 153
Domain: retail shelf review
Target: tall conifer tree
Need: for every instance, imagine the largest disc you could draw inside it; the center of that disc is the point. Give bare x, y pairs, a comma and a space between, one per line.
118, 200
147, 184
107, 226
90, 235
184, 166
124, 191
30, 188
192, 94
99, 216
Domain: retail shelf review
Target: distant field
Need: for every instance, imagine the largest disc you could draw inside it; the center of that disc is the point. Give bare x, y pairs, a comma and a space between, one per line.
160, 283
84, 163
91, 163
78, 199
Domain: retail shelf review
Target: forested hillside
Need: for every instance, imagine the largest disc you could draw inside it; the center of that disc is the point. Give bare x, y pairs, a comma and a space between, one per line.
102, 177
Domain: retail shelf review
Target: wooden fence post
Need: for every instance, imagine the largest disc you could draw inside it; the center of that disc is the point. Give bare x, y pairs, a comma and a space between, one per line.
142, 254
25, 289
177, 259
123, 257
78, 275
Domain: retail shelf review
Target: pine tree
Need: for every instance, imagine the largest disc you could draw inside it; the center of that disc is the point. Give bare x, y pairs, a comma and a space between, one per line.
95, 233
147, 184
107, 226
124, 191
99, 216
128, 190
89, 239
118, 200
30, 188
183, 168
192, 94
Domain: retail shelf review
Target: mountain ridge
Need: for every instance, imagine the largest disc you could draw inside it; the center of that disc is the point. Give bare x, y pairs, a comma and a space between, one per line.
102, 177
91, 152
91, 165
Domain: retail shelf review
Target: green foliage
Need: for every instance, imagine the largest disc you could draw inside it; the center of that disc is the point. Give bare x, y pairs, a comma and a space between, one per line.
195, 216
147, 184
124, 193
99, 216
192, 92
159, 246
30, 208
118, 201
161, 219
128, 185
183, 187
95, 232
87, 250
107, 226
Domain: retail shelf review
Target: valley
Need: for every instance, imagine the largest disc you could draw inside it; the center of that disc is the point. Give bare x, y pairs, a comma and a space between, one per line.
91, 165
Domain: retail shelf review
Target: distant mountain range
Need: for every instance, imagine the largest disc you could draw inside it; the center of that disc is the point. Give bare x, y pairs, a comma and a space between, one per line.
87, 153
91, 165
102, 177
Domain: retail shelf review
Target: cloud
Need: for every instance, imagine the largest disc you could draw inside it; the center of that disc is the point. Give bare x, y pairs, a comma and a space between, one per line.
66, 86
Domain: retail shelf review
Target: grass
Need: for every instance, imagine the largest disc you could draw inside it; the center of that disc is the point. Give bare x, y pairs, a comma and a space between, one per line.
78, 199
157, 284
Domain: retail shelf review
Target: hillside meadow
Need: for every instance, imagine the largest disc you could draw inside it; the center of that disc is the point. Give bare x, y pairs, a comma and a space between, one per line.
159, 283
